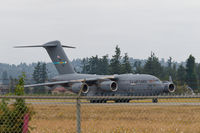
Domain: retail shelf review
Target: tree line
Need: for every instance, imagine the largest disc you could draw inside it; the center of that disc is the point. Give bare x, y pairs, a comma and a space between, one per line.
104, 66
184, 74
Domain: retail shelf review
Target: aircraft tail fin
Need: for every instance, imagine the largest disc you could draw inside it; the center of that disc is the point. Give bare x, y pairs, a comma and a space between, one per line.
170, 79
57, 55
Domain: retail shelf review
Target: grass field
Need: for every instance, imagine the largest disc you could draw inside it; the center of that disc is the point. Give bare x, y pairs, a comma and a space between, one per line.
116, 119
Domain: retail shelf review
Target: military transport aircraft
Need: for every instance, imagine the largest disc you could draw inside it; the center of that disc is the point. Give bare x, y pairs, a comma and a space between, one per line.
100, 85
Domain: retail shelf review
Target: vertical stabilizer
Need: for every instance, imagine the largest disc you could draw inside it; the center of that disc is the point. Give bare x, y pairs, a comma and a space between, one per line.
57, 55
59, 58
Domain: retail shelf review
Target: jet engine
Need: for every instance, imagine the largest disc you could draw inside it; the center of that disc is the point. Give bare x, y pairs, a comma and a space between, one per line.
80, 86
169, 87
109, 86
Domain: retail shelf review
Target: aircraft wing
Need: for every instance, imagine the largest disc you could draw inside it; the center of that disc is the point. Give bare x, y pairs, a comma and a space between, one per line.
95, 79
65, 83
48, 84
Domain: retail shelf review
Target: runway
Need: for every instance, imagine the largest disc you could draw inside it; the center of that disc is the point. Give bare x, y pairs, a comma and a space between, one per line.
132, 103
162, 101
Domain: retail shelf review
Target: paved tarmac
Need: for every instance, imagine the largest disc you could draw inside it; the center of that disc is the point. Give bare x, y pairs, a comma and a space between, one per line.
147, 102
46, 102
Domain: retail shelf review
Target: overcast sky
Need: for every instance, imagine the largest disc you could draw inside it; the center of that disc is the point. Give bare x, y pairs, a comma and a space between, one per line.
95, 27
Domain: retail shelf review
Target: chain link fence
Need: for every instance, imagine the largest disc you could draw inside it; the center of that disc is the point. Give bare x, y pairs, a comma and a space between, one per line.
71, 114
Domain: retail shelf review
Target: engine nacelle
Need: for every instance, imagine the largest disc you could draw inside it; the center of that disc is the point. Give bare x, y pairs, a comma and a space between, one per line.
169, 87
109, 86
80, 86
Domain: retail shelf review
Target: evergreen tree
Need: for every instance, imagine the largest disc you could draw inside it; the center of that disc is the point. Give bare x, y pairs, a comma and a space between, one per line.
198, 72
85, 65
103, 65
5, 78
12, 115
12, 84
93, 63
37, 78
181, 75
174, 72
40, 76
152, 66
115, 65
44, 75
169, 62
137, 67
191, 76
36, 73
126, 66
169, 67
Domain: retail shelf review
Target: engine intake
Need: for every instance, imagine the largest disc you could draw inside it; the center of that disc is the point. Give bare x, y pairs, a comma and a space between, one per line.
80, 86
169, 88
109, 86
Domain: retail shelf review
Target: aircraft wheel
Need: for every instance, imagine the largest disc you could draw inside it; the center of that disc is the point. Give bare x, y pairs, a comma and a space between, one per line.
155, 100
91, 101
127, 101
94, 101
100, 101
124, 101
117, 101
104, 101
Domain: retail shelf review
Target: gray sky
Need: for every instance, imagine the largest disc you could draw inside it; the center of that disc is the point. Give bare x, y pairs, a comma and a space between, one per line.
167, 27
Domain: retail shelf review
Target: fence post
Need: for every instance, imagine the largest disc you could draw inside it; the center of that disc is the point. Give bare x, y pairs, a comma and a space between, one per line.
78, 115
78, 112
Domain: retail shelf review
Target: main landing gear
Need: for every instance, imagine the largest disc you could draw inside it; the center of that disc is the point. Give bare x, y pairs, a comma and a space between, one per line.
98, 101
122, 101
154, 100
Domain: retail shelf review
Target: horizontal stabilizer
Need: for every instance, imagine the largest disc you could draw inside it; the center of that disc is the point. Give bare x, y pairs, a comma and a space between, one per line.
67, 46
49, 44
28, 46
34, 46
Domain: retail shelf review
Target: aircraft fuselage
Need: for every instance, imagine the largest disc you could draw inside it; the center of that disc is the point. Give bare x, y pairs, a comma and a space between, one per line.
128, 85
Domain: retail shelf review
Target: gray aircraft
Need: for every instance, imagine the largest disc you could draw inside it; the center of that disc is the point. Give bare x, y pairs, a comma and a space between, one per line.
100, 85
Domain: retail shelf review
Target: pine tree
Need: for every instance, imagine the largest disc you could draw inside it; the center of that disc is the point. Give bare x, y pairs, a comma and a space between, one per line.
40, 76
153, 66
191, 76
173, 73
12, 84
44, 75
115, 65
170, 70
169, 62
93, 63
103, 65
126, 66
137, 67
169, 67
5, 78
36, 73
198, 72
85, 65
181, 75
